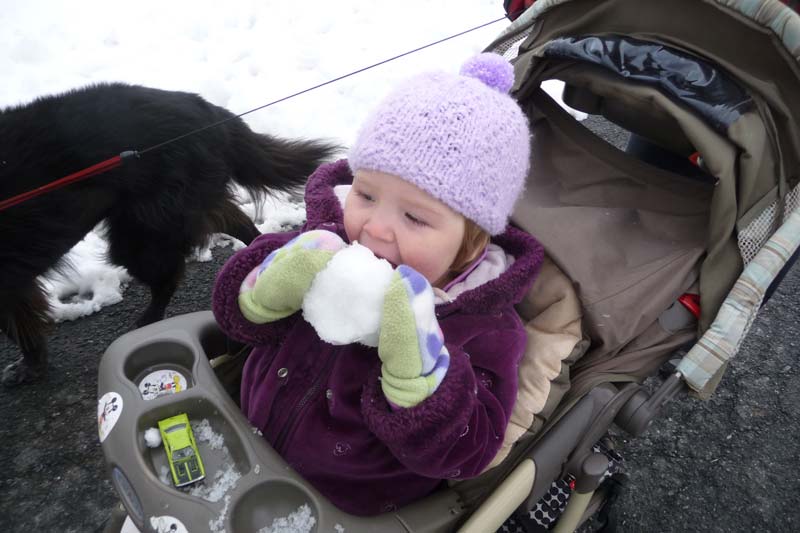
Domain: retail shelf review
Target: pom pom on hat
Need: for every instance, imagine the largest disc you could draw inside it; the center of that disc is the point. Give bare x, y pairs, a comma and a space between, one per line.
459, 137
492, 69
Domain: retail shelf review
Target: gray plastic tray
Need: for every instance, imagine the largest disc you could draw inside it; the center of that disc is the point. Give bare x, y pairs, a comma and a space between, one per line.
267, 489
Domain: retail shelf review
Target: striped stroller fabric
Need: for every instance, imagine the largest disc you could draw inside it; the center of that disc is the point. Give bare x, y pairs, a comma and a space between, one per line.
780, 18
705, 363
774, 15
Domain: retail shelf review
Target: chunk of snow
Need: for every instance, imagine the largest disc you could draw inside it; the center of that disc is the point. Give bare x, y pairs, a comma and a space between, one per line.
152, 437
300, 521
217, 526
203, 432
345, 301
224, 480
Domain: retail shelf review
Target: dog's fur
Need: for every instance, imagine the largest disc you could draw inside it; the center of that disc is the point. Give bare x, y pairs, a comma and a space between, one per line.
157, 207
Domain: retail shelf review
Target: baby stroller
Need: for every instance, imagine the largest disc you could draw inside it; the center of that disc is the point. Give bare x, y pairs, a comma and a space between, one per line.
645, 261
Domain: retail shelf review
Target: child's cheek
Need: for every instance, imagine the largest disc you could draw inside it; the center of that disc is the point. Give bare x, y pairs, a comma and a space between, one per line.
351, 228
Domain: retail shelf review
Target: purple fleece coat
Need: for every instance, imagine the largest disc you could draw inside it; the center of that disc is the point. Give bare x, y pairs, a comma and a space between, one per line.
321, 406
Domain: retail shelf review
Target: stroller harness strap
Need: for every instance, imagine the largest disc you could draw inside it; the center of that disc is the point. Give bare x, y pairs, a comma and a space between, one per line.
705, 363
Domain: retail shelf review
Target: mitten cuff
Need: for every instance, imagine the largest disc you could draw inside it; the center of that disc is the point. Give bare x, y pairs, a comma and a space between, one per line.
442, 415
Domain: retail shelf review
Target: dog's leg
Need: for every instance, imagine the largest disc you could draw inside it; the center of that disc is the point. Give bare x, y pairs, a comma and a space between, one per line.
155, 259
160, 295
162, 272
23, 317
228, 218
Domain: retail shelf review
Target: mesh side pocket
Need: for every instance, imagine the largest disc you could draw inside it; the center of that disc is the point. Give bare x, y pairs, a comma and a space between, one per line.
753, 237
509, 48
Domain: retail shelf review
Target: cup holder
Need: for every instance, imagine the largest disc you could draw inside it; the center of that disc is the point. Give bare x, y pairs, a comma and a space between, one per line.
223, 454
265, 502
160, 368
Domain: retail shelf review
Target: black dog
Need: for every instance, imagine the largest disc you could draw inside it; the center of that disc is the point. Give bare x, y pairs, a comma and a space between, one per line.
157, 207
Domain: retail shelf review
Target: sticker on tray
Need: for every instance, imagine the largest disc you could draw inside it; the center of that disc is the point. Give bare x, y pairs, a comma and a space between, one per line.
109, 407
160, 383
167, 524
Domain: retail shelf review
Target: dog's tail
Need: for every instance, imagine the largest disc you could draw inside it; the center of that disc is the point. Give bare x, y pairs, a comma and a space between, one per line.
266, 164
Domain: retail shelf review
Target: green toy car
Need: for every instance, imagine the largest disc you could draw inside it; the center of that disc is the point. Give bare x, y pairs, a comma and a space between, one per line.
182, 454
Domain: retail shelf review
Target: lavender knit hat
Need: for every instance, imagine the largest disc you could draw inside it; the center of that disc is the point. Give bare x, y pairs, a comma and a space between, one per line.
461, 138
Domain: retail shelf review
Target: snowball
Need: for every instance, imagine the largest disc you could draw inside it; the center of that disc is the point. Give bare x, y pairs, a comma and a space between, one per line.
345, 301
152, 437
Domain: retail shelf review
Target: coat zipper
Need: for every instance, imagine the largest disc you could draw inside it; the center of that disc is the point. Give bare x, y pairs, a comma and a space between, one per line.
298, 407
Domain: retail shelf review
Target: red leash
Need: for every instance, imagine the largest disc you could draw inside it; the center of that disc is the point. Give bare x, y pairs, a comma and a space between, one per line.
88, 172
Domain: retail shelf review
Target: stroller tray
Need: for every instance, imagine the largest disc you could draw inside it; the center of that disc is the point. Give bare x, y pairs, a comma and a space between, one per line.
163, 370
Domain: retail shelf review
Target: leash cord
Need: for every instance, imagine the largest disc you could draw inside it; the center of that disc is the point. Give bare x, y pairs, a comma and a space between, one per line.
117, 160
99, 168
334, 80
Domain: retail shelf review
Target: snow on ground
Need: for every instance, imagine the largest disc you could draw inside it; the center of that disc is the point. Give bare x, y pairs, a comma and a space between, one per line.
239, 54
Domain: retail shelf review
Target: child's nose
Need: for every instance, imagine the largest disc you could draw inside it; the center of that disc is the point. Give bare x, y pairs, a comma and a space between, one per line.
379, 227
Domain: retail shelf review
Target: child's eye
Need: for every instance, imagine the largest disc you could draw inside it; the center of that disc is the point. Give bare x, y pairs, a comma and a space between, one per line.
415, 220
365, 196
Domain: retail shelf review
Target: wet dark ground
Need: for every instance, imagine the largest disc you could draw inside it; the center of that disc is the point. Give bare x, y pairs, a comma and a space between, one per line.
729, 464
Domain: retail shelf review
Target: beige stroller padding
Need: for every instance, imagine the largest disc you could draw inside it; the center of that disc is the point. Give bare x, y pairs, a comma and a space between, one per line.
552, 316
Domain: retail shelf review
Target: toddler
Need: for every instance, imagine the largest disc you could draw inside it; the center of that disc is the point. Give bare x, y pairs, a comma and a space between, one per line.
429, 185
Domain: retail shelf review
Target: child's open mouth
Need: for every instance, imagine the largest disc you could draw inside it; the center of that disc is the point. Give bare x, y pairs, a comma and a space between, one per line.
388, 261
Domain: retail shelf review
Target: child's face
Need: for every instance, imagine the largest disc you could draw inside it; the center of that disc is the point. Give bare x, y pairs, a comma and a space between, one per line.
403, 224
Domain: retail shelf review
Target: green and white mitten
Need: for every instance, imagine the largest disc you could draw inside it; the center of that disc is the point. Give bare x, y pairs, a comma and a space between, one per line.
275, 288
411, 345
